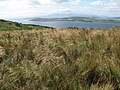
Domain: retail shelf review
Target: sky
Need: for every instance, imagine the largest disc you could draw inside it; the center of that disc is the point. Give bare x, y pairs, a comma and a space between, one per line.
39, 8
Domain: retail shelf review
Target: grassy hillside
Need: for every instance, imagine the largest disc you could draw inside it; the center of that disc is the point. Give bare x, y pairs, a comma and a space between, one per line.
68, 59
8, 25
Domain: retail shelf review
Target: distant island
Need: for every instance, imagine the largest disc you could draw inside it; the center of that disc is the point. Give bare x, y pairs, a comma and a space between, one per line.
82, 19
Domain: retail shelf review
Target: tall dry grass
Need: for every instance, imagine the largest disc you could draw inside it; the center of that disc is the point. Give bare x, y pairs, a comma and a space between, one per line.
68, 59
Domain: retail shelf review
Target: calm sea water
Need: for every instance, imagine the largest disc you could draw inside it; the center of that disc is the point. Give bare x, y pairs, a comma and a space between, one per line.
65, 24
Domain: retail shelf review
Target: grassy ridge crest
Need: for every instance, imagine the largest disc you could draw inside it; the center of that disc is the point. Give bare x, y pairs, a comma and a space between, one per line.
9, 25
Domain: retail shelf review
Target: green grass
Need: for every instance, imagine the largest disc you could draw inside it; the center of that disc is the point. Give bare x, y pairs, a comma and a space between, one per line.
68, 59
8, 25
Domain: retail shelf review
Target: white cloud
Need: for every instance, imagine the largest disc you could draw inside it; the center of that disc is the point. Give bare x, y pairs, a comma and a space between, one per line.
15, 8
29, 8
51, 1
64, 1
111, 4
107, 7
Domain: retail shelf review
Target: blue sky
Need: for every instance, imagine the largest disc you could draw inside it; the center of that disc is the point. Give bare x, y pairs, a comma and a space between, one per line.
38, 8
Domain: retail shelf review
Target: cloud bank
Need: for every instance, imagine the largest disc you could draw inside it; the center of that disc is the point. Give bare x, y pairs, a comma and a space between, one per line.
34, 8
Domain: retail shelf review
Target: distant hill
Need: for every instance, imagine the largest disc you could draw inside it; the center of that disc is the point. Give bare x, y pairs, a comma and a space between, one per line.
83, 19
9, 25
65, 15
115, 18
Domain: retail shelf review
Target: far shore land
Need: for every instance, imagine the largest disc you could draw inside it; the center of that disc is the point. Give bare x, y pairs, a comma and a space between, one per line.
82, 19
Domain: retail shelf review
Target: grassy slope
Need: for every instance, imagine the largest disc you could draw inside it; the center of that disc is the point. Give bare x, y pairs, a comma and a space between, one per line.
69, 59
8, 25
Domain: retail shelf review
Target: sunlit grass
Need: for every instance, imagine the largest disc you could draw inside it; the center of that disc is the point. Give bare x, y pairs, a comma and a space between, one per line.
67, 59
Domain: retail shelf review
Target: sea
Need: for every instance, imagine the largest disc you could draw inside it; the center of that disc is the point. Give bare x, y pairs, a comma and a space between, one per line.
67, 24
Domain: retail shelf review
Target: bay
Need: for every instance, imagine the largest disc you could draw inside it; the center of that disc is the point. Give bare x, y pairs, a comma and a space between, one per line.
66, 24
